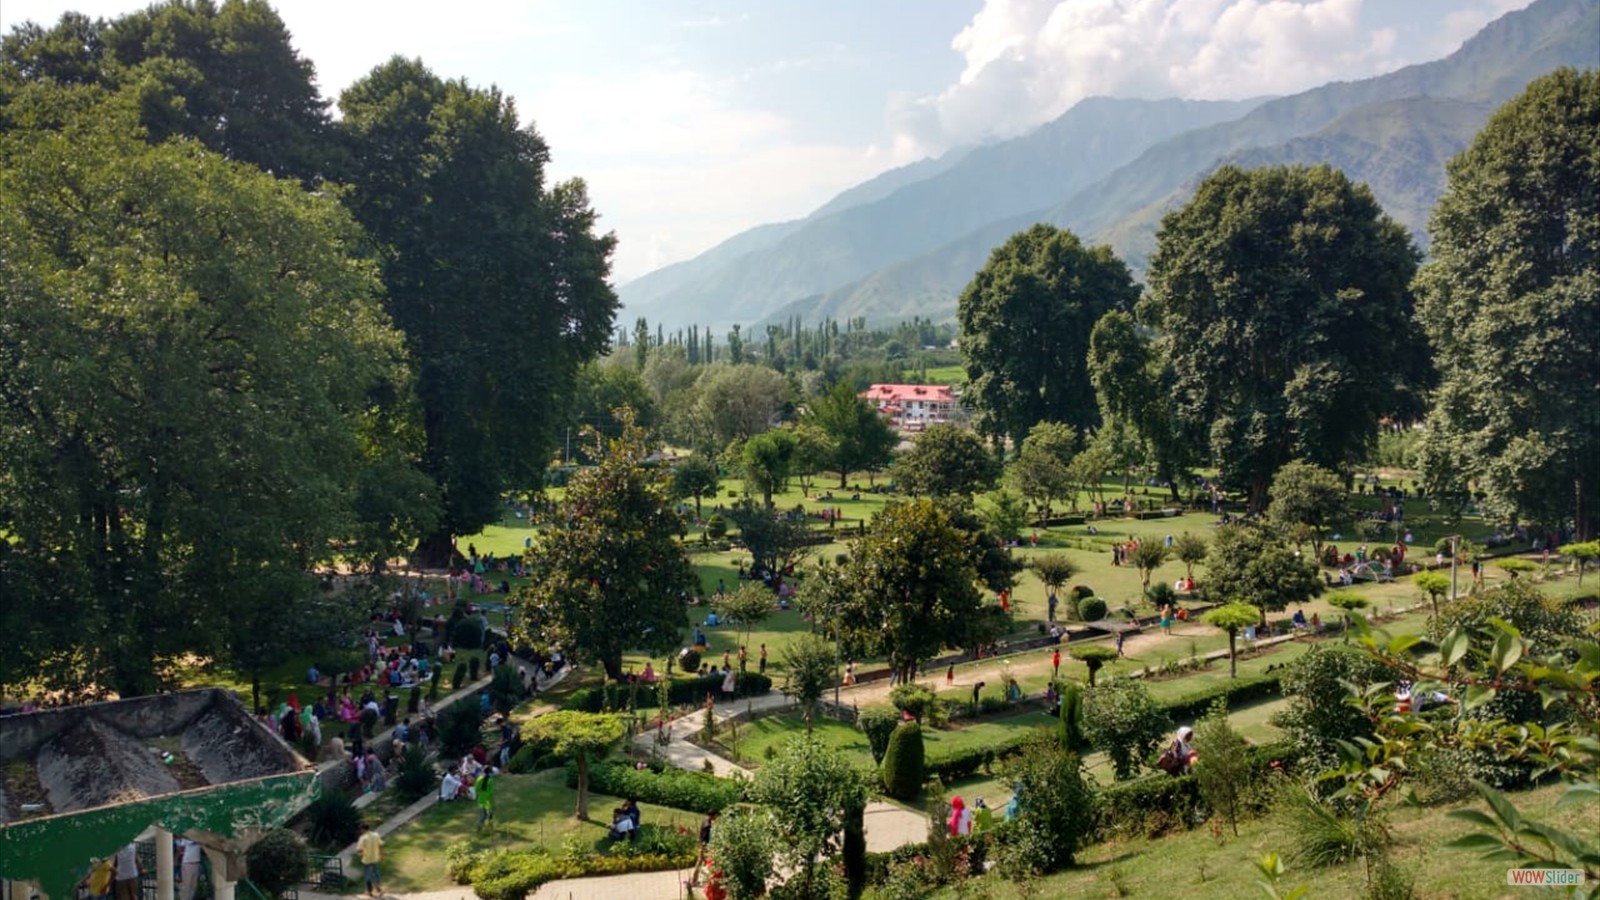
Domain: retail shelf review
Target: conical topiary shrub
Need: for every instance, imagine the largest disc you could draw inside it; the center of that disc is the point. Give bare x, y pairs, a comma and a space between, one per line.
903, 762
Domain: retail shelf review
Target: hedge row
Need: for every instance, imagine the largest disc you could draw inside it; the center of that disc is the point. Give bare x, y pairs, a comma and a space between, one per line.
1237, 691
954, 766
663, 786
514, 874
1159, 803
680, 692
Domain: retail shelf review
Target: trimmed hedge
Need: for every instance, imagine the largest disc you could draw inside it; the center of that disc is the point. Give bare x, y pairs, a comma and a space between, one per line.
693, 791
680, 692
959, 765
903, 766
1237, 691
1159, 803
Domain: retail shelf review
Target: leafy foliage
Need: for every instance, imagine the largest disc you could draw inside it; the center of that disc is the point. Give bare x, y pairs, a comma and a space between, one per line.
1091, 609
1281, 297
450, 184
811, 667
744, 847
1248, 565
1147, 557
1041, 471
416, 777
1515, 258
1056, 798
862, 438
1223, 769
908, 588
1123, 719
332, 820
1232, 617
609, 574
583, 737
1190, 549
277, 861
903, 762
1025, 322
460, 728
946, 461
878, 724
1094, 656
811, 790
661, 785
1317, 717
1307, 500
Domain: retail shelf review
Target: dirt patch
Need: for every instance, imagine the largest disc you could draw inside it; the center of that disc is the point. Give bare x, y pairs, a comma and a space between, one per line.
21, 795
94, 764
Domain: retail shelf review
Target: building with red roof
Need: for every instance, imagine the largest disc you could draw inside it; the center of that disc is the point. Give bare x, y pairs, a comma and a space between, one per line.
913, 407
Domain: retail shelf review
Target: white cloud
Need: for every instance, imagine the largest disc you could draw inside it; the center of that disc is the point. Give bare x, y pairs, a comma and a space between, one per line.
1027, 61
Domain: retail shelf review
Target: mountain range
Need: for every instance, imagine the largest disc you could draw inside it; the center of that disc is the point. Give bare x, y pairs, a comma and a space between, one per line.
906, 242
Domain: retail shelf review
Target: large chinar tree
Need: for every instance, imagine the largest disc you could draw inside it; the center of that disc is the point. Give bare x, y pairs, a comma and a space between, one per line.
188, 356
1511, 302
1025, 322
496, 277
1282, 302
610, 574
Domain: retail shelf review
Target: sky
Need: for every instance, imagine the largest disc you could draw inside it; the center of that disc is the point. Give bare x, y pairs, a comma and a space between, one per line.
692, 120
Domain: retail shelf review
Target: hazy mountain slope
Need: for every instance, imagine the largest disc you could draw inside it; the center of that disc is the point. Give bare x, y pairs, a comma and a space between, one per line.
646, 288
1394, 132
885, 183
987, 184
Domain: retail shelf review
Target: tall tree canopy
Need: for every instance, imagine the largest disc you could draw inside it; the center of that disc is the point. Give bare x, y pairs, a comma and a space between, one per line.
1282, 302
1133, 386
188, 353
1025, 322
497, 279
225, 75
610, 575
1511, 302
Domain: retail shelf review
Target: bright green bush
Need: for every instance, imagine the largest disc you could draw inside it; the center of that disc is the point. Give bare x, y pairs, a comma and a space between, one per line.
878, 723
913, 698
668, 786
1121, 718
1081, 591
903, 762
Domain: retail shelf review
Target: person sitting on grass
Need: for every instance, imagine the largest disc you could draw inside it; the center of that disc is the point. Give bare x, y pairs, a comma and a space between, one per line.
625, 821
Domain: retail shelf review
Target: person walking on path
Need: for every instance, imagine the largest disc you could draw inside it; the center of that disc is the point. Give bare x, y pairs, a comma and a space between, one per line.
370, 846
189, 867
762, 666
484, 788
1055, 663
1166, 618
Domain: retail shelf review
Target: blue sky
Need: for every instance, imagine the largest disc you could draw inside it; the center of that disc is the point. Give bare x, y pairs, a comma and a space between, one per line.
692, 121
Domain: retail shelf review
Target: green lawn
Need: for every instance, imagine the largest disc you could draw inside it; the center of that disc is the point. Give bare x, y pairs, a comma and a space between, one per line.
532, 809
1196, 865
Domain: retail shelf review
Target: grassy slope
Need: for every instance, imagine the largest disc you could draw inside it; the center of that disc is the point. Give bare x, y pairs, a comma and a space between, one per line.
1196, 865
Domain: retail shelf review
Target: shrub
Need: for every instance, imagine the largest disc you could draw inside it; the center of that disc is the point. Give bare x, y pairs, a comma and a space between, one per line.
1147, 807
1317, 716
1515, 564
460, 727
417, 776
458, 678
1223, 768
954, 766
433, 683
1081, 592
1161, 594
717, 527
903, 762
667, 786
1235, 691
332, 820
689, 661
1057, 800
506, 688
466, 634
460, 860
414, 702
1323, 837
1123, 719
472, 667
1091, 609
878, 723
745, 845
912, 698
1071, 715
535, 754
278, 861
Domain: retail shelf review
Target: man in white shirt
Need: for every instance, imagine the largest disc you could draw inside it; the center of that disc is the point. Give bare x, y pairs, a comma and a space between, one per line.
127, 873
448, 789
190, 861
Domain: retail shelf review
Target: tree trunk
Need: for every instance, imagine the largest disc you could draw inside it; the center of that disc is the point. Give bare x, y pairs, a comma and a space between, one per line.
697, 506
255, 691
843, 477
1233, 655
613, 666
583, 787
436, 551
1257, 503
855, 849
